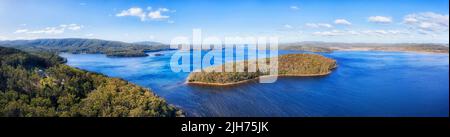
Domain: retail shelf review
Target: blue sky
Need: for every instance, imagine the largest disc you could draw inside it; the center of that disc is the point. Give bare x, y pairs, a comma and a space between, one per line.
385, 21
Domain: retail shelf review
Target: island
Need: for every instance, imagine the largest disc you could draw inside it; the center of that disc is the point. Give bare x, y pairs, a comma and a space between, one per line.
159, 54
288, 65
131, 53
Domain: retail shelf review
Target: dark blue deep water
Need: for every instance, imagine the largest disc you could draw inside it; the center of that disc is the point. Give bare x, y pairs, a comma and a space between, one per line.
366, 83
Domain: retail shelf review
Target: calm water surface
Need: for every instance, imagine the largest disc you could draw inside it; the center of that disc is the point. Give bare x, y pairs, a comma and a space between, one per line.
366, 83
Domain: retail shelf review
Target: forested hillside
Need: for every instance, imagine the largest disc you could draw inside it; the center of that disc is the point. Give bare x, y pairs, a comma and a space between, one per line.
288, 65
40, 85
76, 45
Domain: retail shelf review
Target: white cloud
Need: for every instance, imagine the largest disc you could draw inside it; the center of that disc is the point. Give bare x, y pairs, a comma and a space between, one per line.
74, 27
163, 9
410, 20
89, 35
352, 32
365, 32
319, 25
287, 26
428, 21
384, 32
325, 25
134, 11
48, 30
375, 32
3, 38
143, 15
380, 19
329, 33
294, 7
26, 38
342, 22
170, 21
51, 30
21, 31
156, 15
396, 32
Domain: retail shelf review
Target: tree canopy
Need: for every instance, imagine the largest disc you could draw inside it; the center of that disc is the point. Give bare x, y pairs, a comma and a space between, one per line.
39, 85
291, 64
77, 45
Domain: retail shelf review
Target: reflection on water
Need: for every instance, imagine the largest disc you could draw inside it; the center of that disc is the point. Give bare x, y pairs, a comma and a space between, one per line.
366, 83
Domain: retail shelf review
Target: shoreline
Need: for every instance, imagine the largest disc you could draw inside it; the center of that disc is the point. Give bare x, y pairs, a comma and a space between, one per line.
257, 78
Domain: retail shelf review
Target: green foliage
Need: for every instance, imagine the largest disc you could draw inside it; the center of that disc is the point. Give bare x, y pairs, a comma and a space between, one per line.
291, 64
46, 88
126, 54
75, 45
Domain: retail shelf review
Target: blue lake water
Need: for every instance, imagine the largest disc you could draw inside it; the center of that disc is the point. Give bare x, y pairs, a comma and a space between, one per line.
366, 83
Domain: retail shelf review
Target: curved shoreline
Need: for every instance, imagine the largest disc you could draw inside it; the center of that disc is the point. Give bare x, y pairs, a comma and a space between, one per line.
248, 80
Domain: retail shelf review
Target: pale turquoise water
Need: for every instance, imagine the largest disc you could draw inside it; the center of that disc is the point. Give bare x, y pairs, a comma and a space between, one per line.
366, 83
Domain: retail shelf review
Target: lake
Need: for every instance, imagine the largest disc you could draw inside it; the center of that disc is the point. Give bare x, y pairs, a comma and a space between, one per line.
366, 83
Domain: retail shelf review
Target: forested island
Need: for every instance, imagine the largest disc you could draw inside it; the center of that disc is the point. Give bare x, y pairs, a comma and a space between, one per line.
40, 85
126, 54
305, 47
78, 46
288, 65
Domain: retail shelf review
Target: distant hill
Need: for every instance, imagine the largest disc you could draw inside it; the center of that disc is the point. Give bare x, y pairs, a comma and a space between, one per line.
78, 45
332, 46
288, 65
148, 43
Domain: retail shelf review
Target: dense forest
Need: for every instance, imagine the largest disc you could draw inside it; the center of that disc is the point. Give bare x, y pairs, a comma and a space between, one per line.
76, 45
35, 85
432, 48
307, 48
126, 54
291, 64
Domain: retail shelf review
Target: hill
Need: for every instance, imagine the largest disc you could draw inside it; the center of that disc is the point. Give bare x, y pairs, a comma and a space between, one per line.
76, 45
148, 43
39, 85
333, 46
